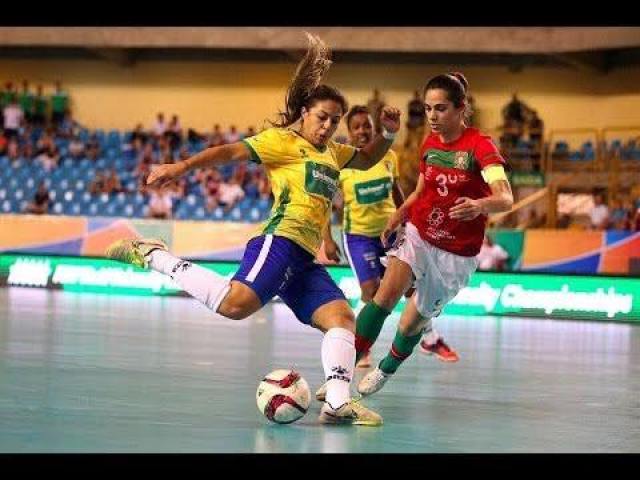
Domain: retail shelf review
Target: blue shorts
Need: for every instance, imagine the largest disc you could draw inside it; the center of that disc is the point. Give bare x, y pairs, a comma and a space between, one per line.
364, 255
274, 265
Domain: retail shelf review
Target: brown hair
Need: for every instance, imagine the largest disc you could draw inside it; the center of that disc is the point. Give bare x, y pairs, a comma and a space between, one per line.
456, 86
305, 88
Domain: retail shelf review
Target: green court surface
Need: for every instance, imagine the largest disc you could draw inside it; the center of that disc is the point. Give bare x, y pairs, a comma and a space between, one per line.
84, 372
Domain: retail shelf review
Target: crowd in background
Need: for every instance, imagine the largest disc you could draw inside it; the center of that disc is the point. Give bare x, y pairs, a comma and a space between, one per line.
32, 123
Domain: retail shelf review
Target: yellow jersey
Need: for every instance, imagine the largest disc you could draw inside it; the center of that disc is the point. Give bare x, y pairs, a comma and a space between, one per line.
303, 179
368, 198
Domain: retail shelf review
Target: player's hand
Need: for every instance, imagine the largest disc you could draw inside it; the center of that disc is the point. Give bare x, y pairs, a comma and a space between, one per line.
390, 119
465, 209
161, 175
392, 225
332, 251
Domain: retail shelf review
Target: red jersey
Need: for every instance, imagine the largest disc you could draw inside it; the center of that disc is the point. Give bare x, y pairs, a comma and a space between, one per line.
450, 171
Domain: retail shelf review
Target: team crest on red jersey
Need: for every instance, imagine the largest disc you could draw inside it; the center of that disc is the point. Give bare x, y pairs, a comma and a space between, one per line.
462, 160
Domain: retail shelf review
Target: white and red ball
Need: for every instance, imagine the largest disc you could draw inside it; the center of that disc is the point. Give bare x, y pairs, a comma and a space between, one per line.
283, 396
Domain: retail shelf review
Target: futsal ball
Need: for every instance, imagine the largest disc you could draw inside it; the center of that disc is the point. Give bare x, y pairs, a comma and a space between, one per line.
283, 396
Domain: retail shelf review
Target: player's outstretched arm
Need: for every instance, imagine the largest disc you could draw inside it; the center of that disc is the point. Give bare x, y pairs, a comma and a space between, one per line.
233, 152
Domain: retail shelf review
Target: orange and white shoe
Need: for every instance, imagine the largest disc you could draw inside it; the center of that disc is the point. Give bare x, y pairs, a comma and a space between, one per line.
440, 350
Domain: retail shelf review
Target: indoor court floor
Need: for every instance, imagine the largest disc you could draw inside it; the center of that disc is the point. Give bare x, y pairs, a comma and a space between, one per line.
82, 372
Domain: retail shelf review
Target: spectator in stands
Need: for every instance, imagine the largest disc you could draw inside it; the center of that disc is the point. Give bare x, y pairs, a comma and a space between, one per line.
13, 118
184, 153
264, 187
160, 126
6, 96
532, 220
45, 141
3, 142
375, 105
93, 148
49, 158
13, 149
165, 150
76, 148
513, 117
491, 256
40, 104
59, 104
620, 218
112, 183
241, 174
232, 136
211, 188
536, 134
142, 171
230, 194
40, 204
471, 102
97, 184
179, 187
160, 202
417, 118
26, 101
217, 137
138, 134
599, 214
27, 150
68, 127
635, 226
174, 132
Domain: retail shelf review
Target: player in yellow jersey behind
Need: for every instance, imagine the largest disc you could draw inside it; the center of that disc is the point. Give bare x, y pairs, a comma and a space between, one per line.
303, 165
370, 198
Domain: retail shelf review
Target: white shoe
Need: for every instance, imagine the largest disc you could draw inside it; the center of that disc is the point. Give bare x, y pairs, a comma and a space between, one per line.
351, 413
321, 393
373, 381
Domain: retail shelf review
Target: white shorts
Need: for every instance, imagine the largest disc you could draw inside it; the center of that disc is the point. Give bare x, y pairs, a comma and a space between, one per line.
440, 275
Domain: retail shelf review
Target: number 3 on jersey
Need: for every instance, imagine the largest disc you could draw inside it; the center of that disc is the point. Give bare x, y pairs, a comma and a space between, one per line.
442, 180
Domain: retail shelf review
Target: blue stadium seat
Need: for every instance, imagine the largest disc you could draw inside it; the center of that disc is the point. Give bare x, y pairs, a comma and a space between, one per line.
254, 214
235, 214
218, 214
128, 210
3, 193
75, 209
93, 209
57, 208
18, 194
7, 206
198, 213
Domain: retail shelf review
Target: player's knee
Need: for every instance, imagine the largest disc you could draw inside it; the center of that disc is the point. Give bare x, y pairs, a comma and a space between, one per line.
344, 320
369, 292
233, 310
414, 328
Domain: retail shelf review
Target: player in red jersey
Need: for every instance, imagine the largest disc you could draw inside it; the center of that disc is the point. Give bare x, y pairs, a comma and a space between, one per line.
462, 180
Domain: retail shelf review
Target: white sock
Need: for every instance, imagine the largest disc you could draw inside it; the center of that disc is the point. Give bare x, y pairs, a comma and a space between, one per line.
204, 285
429, 334
338, 360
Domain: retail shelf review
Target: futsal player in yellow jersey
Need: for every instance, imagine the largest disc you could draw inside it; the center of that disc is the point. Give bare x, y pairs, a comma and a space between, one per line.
303, 166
